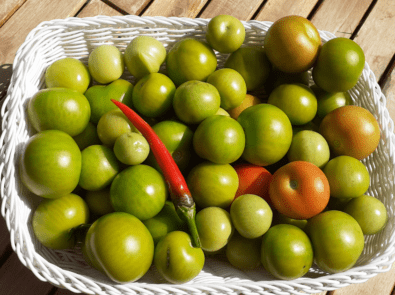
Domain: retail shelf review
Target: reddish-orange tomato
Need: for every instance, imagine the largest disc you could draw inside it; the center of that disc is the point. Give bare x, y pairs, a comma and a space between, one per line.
299, 190
254, 180
352, 131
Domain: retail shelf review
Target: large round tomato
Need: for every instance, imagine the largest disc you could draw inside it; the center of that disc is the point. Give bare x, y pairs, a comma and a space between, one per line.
299, 190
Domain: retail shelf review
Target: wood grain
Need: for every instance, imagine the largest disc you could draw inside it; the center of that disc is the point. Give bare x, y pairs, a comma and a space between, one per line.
132, 7
7, 9
179, 8
340, 17
275, 9
98, 7
241, 9
32, 13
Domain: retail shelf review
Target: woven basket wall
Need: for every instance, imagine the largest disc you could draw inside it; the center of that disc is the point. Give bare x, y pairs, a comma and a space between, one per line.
74, 37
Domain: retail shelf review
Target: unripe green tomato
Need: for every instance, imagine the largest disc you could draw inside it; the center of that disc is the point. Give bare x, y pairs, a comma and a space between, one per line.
243, 253
106, 64
99, 202
68, 73
131, 148
87, 137
222, 112
53, 219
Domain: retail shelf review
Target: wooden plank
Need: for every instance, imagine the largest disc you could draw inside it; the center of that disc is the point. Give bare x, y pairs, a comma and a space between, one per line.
7, 9
275, 9
131, 7
389, 92
241, 9
26, 18
15, 278
63, 292
98, 7
179, 8
340, 17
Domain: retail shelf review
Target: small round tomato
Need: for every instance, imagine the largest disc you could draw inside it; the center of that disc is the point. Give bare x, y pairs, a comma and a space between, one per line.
351, 131
106, 63
339, 65
243, 253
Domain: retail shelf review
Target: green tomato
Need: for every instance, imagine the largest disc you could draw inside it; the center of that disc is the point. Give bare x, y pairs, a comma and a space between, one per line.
112, 125
347, 176
309, 146
222, 112
59, 108
144, 55
252, 64
286, 252
106, 64
99, 167
87, 137
139, 190
214, 227
99, 202
251, 215
68, 73
190, 59
50, 165
175, 258
268, 134
120, 246
219, 139
279, 218
231, 87
194, 101
339, 65
243, 253
369, 212
54, 219
296, 100
167, 220
99, 97
225, 33
337, 240
131, 148
213, 184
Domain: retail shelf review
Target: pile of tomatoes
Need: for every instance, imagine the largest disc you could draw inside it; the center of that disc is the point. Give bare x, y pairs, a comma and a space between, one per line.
277, 180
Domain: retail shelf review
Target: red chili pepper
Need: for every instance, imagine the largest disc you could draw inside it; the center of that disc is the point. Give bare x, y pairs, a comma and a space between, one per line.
179, 192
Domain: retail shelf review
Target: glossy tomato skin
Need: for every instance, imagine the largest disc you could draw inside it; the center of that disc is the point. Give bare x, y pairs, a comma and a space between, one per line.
299, 190
339, 65
106, 64
351, 131
292, 44
243, 253
121, 246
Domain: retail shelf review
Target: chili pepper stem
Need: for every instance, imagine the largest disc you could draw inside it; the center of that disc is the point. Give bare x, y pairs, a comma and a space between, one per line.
188, 214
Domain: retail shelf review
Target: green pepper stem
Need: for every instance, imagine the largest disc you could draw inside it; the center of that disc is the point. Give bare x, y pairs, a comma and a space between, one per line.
188, 214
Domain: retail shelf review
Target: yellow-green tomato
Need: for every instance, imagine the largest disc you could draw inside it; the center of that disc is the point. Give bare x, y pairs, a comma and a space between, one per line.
286, 252
59, 108
296, 100
339, 65
214, 227
121, 246
144, 55
219, 139
369, 212
106, 64
50, 165
279, 218
213, 185
54, 219
309, 146
99, 202
99, 167
231, 87
222, 112
194, 101
68, 73
337, 240
268, 134
131, 148
225, 33
87, 137
252, 64
251, 215
175, 258
190, 59
347, 176
243, 253
153, 95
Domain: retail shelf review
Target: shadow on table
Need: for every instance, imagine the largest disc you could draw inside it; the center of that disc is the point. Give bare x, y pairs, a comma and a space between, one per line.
5, 77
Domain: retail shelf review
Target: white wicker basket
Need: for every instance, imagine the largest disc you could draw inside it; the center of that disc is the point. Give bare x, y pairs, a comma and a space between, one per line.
76, 37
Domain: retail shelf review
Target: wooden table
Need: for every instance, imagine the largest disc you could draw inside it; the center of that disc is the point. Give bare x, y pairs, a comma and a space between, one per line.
371, 23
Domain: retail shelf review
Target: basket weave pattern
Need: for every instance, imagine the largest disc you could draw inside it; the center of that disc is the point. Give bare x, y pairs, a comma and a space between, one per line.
74, 37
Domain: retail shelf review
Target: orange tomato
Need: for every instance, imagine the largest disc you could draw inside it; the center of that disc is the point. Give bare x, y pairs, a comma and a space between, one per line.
351, 131
254, 180
299, 190
248, 101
